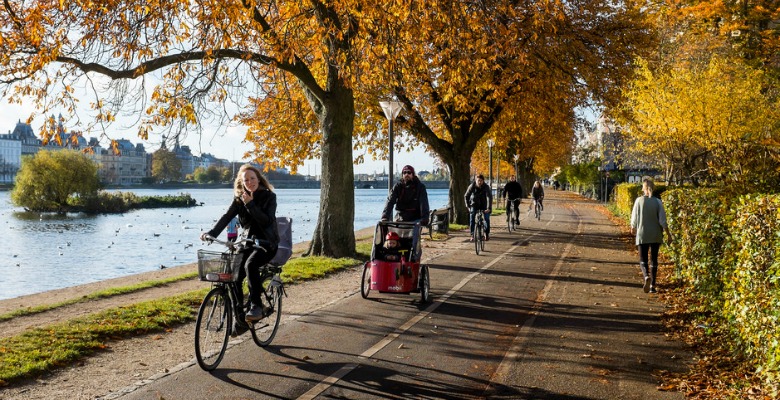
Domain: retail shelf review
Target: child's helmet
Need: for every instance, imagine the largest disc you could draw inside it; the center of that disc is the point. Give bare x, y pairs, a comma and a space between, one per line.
392, 236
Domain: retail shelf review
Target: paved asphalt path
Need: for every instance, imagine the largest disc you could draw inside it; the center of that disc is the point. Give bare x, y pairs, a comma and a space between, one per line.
553, 311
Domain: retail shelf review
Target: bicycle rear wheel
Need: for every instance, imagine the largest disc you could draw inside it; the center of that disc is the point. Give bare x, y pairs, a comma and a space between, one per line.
425, 284
212, 329
263, 331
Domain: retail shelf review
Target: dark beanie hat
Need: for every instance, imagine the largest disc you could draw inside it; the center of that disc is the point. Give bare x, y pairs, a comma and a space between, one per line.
408, 168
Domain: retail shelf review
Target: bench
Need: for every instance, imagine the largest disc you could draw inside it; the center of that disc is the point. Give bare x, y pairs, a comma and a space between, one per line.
439, 220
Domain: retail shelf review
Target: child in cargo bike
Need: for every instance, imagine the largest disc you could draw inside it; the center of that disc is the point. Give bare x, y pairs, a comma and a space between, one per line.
392, 247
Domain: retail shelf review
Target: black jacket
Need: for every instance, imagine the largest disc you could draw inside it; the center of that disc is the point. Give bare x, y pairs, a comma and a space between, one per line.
479, 197
410, 201
258, 217
537, 192
513, 190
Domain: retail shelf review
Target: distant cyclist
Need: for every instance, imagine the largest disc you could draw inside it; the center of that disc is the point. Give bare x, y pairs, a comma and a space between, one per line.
537, 192
479, 198
513, 192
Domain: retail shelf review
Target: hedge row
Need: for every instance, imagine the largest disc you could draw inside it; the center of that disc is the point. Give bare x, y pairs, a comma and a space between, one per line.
727, 254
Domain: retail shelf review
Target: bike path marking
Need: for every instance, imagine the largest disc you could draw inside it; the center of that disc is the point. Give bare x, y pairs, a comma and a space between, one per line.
515, 354
326, 383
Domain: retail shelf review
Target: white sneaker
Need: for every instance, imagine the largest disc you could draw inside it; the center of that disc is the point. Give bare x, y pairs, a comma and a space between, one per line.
646, 287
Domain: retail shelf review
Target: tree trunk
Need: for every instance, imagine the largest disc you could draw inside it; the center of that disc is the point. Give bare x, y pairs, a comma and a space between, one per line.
459, 182
334, 235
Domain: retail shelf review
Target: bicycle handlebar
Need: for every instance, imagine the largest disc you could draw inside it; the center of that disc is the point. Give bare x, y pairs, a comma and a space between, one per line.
240, 244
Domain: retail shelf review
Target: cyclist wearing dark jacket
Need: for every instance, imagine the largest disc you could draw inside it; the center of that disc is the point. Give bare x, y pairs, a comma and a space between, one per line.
255, 204
410, 199
537, 192
514, 192
479, 198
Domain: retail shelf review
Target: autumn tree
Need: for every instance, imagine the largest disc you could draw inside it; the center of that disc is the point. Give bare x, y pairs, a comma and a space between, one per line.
212, 174
289, 68
706, 122
459, 66
165, 166
49, 179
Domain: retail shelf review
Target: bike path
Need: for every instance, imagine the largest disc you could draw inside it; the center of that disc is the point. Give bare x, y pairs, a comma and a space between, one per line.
552, 311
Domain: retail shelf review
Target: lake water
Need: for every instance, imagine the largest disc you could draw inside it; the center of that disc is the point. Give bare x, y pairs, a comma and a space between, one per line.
42, 252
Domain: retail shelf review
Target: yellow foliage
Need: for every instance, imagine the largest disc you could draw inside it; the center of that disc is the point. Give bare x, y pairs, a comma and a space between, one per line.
693, 115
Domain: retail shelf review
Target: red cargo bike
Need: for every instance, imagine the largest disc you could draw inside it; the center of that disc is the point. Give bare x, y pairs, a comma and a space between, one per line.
397, 270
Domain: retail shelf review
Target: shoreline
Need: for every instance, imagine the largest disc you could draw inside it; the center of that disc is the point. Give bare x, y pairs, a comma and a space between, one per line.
85, 289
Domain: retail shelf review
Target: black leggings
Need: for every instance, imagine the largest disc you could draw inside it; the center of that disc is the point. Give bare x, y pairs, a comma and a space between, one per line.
653, 249
253, 261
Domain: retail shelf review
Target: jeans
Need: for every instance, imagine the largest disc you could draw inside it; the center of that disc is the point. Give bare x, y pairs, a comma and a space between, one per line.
473, 217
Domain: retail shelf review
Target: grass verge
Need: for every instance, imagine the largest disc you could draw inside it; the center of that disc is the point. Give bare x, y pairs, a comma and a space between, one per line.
42, 349
39, 350
97, 295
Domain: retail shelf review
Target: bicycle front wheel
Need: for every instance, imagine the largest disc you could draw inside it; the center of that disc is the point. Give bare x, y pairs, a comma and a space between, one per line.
212, 329
365, 284
478, 238
263, 331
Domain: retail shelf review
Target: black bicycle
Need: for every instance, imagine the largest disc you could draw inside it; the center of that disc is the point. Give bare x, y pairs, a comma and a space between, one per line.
512, 217
479, 231
214, 324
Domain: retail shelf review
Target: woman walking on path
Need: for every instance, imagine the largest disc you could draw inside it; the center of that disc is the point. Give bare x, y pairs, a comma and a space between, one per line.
648, 221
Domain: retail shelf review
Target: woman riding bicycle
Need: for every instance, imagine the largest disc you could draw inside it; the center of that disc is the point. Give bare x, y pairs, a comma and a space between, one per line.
537, 192
479, 198
255, 204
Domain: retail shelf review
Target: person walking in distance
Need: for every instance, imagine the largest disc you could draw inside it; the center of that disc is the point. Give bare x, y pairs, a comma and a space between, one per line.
648, 221
479, 198
410, 199
254, 202
513, 192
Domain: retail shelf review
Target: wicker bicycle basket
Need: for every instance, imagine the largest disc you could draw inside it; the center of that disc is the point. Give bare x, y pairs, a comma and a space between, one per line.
214, 266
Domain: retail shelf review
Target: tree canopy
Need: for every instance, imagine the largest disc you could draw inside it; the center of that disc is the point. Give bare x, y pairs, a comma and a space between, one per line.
288, 68
47, 180
306, 76
512, 71
706, 122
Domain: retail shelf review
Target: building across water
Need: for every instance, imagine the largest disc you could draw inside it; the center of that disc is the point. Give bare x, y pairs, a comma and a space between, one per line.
126, 164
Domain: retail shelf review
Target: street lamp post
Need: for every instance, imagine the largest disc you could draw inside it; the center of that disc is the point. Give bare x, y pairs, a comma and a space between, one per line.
391, 109
490, 144
601, 169
516, 158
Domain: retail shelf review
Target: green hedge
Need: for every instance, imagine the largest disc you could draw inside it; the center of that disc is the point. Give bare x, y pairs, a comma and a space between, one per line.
727, 255
751, 298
